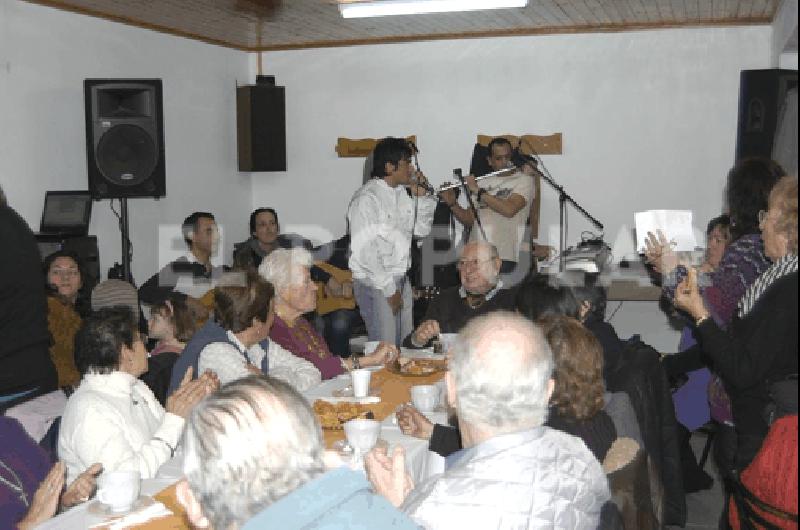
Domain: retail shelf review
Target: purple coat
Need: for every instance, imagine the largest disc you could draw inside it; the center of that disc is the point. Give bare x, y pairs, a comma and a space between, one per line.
31, 464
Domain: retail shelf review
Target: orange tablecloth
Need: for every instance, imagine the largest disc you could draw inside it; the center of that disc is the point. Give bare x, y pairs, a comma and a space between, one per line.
393, 389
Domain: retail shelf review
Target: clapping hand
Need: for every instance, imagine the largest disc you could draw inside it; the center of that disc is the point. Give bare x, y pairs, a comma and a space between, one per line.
189, 393
388, 475
45, 500
82, 487
688, 298
658, 252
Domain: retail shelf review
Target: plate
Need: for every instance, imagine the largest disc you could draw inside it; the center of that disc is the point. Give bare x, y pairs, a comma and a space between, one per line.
416, 367
104, 510
333, 416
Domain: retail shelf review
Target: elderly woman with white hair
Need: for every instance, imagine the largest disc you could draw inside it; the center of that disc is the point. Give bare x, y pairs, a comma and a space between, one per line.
254, 459
295, 295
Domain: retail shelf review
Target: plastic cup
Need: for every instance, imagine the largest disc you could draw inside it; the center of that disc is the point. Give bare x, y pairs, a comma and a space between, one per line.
361, 378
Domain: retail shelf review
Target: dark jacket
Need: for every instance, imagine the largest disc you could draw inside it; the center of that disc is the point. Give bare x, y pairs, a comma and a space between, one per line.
759, 349
639, 373
452, 313
633, 367
24, 339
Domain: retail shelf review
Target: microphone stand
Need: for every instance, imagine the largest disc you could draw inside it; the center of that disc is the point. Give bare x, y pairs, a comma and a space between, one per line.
457, 173
563, 199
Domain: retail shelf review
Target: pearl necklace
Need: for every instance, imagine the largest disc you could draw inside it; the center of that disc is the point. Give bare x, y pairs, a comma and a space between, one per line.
17, 487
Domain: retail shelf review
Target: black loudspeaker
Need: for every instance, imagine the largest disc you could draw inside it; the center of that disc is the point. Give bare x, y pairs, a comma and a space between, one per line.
261, 126
124, 138
761, 94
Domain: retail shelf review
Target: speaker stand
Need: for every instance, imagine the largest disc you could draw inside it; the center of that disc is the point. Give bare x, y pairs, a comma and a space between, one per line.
126, 242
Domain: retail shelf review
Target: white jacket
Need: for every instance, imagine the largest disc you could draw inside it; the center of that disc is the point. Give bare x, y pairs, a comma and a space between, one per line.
381, 219
535, 479
116, 420
229, 363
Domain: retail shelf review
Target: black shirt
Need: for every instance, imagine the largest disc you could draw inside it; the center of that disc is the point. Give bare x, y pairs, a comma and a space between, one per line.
24, 339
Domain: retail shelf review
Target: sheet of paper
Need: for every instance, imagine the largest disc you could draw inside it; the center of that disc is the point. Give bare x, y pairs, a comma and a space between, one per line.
676, 225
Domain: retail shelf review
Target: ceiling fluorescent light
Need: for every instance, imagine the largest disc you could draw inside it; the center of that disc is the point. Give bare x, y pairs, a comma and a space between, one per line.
380, 8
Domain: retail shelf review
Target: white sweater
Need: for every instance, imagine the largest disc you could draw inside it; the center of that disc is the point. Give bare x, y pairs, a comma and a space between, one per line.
116, 420
229, 363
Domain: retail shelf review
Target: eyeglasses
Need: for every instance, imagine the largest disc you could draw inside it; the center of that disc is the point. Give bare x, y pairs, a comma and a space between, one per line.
469, 263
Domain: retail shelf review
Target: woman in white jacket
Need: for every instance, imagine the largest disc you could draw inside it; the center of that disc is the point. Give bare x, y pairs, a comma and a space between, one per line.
243, 307
113, 418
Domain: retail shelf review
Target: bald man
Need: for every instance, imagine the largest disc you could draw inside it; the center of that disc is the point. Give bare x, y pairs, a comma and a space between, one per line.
513, 472
481, 292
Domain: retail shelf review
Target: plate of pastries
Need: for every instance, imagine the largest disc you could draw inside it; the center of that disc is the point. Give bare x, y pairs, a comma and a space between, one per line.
333, 416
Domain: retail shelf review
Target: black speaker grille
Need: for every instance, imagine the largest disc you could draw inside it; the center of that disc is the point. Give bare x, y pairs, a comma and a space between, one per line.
126, 155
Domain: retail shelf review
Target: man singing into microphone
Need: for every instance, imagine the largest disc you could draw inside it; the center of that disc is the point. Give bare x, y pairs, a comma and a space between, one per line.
382, 217
503, 204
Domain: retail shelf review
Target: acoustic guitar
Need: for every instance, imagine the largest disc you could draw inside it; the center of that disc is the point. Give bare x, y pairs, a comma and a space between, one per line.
328, 304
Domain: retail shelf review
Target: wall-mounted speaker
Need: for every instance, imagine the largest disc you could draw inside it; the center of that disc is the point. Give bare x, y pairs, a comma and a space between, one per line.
261, 126
761, 95
124, 138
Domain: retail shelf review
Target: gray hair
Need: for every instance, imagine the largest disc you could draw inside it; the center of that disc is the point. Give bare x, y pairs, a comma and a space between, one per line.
278, 267
247, 445
501, 366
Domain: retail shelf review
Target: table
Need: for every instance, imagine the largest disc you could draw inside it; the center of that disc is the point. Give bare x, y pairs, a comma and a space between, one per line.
393, 389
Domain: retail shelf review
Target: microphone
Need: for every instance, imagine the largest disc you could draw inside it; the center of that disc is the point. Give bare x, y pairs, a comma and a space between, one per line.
424, 185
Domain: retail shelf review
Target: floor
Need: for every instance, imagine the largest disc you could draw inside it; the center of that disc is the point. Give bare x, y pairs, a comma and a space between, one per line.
704, 506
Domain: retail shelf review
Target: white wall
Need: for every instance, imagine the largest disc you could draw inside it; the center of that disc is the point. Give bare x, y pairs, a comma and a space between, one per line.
44, 56
649, 121
784, 34
788, 61
649, 118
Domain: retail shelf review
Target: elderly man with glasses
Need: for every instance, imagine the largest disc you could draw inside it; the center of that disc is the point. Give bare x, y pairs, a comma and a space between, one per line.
481, 292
